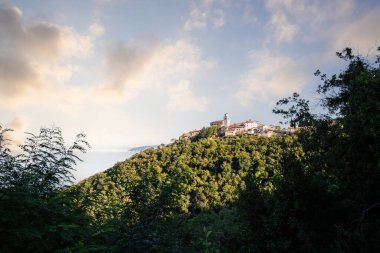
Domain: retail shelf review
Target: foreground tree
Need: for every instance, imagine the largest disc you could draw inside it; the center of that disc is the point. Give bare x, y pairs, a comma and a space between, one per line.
45, 164
36, 214
327, 200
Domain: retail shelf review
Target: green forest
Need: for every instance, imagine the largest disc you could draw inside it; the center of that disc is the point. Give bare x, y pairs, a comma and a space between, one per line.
317, 190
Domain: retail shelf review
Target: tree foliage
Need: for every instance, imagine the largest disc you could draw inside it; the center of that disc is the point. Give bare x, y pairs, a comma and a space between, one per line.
328, 201
315, 191
36, 214
164, 198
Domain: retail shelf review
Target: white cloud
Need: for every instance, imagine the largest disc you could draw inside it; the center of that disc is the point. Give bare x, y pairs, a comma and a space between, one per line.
38, 60
338, 24
32, 54
362, 34
180, 58
249, 16
103, 1
197, 20
218, 19
16, 137
182, 99
112, 2
17, 124
311, 18
132, 68
96, 29
284, 30
205, 13
273, 4
271, 77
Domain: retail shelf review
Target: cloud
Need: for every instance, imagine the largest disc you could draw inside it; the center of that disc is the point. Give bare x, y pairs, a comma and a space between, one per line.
287, 4
31, 54
125, 65
205, 13
16, 137
103, 1
96, 29
290, 18
249, 16
16, 76
17, 124
218, 19
361, 34
179, 59
182, 99
197, 20
284, 30
131, 68
272, 76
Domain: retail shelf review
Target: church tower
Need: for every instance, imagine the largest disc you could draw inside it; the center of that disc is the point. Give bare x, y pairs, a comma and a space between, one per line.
226, 120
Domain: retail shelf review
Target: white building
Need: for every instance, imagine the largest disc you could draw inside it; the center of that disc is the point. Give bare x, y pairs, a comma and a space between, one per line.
229, 132
262, 128
249, 124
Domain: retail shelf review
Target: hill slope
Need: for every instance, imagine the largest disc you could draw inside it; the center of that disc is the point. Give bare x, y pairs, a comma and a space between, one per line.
190, 176
179, 196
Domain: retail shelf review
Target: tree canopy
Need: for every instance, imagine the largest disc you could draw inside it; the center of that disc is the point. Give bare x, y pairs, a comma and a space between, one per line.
314, 191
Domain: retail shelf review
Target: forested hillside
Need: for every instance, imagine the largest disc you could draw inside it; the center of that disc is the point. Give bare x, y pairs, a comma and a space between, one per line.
181, 184
315, 191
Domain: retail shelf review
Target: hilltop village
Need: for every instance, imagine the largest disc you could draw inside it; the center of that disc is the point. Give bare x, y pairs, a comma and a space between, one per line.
226, 129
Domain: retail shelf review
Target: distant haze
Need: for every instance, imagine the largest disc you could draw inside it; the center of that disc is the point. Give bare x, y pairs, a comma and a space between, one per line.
99, 160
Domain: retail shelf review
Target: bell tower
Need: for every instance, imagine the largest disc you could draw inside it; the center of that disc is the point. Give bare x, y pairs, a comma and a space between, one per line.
226, 120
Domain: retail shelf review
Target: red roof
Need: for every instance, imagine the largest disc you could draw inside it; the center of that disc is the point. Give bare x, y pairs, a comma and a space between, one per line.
235, 126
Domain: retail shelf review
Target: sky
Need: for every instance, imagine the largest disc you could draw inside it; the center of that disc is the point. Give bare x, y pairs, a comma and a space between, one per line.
137, 72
